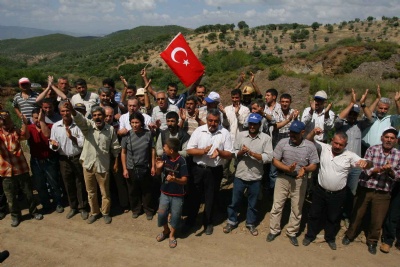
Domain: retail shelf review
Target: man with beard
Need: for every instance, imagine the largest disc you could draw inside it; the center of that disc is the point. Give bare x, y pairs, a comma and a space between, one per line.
252, 149
380, 119
44, 162
14, 170
100, 141
330, 193
190, 118
105, 101
160, 112
200, 93
67, 139
209, 145
84, 96
173, 131
48, 108
294, 157
374, 187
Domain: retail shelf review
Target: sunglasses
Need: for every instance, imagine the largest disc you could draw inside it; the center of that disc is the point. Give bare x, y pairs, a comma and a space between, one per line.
158, 99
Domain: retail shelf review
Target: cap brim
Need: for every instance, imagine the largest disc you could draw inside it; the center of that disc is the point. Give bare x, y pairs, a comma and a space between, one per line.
209, 100
391, 131
319, 97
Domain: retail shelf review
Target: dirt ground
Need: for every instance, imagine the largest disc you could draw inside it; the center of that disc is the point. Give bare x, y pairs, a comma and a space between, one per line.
56, 241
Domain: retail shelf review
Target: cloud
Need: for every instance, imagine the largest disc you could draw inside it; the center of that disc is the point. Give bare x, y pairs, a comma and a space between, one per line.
89, 7
140, 5
230, 2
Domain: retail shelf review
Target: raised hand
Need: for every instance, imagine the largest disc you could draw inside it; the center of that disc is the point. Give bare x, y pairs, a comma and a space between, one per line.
312, 104
123, 81
252, 77
364, 97
378, 92
397, 96
328, 107
353, 96
182, 114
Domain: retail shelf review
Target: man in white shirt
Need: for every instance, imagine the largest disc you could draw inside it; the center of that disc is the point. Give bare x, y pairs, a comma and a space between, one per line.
330, 192
83, 96
209, 145
125, 124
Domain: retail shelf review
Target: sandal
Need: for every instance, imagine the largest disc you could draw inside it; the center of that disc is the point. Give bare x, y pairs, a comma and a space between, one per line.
228, 228
161, 236
253, 230
173, 243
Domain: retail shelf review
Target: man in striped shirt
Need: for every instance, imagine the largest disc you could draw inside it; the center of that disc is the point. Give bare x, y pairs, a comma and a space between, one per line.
24, 102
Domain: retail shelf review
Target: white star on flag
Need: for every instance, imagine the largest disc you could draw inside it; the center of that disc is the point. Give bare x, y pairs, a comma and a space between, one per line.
186, 62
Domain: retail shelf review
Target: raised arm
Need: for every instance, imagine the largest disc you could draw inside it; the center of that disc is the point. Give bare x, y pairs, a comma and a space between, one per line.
253, 83
240, 80
367, 111
372, 107
345, 112
143, 73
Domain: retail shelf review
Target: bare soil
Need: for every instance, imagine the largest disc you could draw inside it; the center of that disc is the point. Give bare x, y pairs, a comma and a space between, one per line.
56, 241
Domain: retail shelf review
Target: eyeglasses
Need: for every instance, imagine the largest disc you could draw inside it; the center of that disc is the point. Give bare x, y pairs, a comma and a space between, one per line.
158, 99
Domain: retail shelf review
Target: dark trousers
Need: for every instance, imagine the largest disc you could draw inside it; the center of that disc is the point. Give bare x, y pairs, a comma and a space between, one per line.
392, 220
206, 182
379, 201
325, 211
72, 174
3, 200
140, 188
11, 186
119, 187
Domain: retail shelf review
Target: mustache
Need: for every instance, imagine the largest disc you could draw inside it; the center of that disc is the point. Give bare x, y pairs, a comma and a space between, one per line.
97, 120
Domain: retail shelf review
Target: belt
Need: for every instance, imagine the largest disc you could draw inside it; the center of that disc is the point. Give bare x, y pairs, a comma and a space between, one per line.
288, 174
70, 157
331, 192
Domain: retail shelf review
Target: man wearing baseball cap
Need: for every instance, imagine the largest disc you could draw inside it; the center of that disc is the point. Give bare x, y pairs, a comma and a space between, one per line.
317, 115
252, 149
213, 101
25, 101
374, 187
294, 157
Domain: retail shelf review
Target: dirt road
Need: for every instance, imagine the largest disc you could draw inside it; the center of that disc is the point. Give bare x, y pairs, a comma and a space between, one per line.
56, 241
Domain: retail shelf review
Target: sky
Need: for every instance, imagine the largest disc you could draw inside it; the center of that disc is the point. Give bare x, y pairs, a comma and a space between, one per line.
97, 17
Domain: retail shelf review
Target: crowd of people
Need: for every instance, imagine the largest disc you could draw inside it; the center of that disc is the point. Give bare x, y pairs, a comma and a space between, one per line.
117, 147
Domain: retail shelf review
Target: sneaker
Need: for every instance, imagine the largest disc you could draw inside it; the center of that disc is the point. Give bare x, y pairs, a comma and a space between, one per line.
107, 219
15, 222
37, 216
84, 215
71, 213
60, 209
92, 219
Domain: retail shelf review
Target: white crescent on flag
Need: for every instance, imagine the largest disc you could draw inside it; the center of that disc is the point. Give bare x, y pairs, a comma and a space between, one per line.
177, 49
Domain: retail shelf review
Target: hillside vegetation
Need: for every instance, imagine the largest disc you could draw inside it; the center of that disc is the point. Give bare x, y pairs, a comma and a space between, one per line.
305, 58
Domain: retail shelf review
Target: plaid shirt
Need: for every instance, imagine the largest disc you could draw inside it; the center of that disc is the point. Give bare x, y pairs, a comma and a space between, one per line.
12, 159
380, 181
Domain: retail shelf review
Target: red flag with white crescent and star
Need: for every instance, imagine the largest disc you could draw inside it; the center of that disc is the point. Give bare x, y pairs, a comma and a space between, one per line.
182, 61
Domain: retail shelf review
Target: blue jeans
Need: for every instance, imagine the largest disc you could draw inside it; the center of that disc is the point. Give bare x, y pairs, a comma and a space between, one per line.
170, 204
46, 171
253, 188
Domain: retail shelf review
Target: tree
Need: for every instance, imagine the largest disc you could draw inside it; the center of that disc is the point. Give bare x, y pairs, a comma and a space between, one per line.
329, 28
370, 18
246, 31
221, 36
242, 25
232, 27
326, 39
212, 37
315, 26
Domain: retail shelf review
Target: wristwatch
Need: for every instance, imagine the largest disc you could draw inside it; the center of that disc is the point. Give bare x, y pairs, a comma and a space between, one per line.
363, 105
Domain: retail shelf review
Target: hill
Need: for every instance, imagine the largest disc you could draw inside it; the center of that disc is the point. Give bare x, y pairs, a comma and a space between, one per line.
16, 32
305, 57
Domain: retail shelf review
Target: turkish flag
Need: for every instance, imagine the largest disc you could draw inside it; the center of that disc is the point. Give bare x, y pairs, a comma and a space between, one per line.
182, 61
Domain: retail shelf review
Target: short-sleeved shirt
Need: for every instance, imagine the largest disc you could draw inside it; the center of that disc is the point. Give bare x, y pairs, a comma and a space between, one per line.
89, 100
179, 166
334, 171
372, 135
138, 148
25, 105
202, 137
12, 159
318, 120
303, 154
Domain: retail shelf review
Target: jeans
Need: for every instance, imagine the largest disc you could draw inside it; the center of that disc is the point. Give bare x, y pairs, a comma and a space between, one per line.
325, 205
273, 174
170, 204
253, 188
46, 172
392, 220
